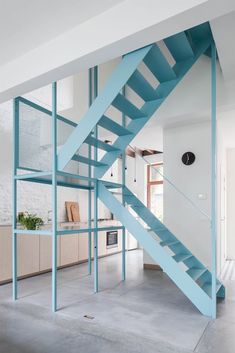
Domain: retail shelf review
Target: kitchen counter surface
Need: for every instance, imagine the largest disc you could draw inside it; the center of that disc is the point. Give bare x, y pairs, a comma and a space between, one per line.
73, 226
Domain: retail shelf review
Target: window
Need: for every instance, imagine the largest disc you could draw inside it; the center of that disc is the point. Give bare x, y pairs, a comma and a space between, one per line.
155, 189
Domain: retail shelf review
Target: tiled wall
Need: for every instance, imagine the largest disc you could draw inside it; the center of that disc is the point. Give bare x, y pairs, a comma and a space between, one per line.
34, 198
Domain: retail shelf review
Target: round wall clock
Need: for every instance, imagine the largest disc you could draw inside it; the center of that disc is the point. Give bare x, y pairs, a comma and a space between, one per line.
188, 158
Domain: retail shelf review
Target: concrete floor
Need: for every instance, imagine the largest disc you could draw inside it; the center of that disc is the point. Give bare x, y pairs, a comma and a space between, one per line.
147, 313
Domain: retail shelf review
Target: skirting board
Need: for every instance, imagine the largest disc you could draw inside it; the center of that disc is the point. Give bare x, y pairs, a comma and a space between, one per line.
152, 267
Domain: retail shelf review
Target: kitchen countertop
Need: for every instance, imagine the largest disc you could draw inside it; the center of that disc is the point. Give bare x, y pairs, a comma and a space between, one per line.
76, 225
84, 225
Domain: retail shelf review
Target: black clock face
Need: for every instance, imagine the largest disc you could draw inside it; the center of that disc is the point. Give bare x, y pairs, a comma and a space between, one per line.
188, 158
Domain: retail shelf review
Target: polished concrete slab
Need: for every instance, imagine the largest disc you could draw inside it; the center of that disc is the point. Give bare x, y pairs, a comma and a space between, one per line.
147, 313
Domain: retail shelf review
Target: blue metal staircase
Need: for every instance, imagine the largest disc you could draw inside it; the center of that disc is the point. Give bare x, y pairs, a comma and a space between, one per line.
194, 279
185, 48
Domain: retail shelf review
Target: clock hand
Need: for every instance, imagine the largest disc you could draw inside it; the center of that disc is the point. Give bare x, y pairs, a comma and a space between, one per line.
187, 158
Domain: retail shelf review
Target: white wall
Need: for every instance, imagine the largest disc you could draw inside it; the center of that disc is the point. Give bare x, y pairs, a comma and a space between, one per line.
230, 203
34, 198
191, 227
221, 196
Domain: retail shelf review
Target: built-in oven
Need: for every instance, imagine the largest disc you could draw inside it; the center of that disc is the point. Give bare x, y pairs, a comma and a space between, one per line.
112, 239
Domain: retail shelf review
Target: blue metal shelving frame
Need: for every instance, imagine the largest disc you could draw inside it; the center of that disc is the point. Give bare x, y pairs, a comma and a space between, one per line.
55, 178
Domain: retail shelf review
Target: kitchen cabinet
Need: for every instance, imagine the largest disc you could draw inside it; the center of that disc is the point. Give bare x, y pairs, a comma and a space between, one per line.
5, 253
45, 251
69, 245
102, 244
27, 254
34, 251
83, 246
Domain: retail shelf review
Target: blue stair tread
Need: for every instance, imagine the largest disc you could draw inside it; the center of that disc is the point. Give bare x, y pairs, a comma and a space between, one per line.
169, 242
129, 197
88, 161
199, 33
165, 88
136, 205
162, 233
92, 141
133, 202
161, 229
158, 65
142, 87
126, 193
179, 46
126, 107
112, 126
156, 230
181, 257
110, 184
181, 66
196, 273
207, 287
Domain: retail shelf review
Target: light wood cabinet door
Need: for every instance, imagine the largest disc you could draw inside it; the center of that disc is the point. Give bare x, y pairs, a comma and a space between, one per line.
35, 251
45, 251
28, 254
83, 246
119, 240
69, 249
5, 253
102, 244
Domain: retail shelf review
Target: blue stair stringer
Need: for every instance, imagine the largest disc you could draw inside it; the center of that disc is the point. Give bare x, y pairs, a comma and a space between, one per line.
194, 279
184, 49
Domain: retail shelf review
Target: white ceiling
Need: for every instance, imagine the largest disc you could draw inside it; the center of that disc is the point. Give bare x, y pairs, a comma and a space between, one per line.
223, 29
26, 24
44, 41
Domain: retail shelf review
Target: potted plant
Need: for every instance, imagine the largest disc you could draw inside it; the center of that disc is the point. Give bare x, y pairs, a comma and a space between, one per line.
29, 221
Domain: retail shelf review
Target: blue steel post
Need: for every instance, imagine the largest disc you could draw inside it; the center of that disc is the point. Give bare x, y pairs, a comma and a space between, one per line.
14, 195
89, 174
123, 202
96, 286
213, 177
95, 95
54, 196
